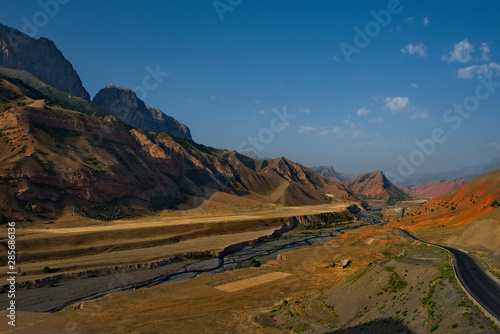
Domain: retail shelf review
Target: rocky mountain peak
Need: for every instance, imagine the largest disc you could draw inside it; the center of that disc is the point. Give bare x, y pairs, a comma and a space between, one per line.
374, 185
124, 104
41, 58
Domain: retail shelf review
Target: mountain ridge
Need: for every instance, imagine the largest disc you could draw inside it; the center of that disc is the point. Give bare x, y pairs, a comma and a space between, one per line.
53, 157
433, 189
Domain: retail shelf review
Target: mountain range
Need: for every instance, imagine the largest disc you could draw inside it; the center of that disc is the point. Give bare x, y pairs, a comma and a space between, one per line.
61, 149
433, 189
73, 153
467, 173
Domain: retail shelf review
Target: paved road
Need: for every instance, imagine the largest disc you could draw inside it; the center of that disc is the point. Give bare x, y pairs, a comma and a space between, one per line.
482, 287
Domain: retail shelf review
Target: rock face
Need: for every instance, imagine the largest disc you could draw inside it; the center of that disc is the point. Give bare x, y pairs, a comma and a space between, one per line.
433, 189
41, 58
124, 104
375, 186
329, 173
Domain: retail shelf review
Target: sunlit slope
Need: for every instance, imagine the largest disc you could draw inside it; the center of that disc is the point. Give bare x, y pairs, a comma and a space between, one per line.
460, 206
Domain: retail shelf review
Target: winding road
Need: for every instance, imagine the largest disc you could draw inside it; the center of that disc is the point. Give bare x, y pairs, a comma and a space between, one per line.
478, 284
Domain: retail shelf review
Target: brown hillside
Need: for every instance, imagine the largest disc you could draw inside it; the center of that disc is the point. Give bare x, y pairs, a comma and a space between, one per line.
433, 189
483, 235
52, 157
460, 206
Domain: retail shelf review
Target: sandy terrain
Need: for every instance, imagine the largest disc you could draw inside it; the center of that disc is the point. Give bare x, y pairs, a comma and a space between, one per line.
251, 282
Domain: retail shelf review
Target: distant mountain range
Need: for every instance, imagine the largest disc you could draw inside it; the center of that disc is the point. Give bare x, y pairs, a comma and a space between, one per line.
467, 173
329, 173
433, 189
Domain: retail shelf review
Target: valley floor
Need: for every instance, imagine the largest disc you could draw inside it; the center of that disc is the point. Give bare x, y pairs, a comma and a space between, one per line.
74, 243
392, 284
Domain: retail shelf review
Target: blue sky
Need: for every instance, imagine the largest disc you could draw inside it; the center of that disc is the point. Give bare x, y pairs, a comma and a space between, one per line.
230, 63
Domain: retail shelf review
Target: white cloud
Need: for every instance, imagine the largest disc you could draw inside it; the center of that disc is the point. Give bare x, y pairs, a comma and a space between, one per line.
397, 104
303, 130
376, 120
419, 49
420, 115
461, 53
410, 19
363, 111
426, 21
357, 134
257, 101
214, 97
333, 131
336, 130
486, 51
485, 70
306, 110
493, 145
414, 85
319, 131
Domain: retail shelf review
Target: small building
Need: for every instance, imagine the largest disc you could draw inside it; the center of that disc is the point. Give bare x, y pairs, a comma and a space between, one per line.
342, 264
280, 257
